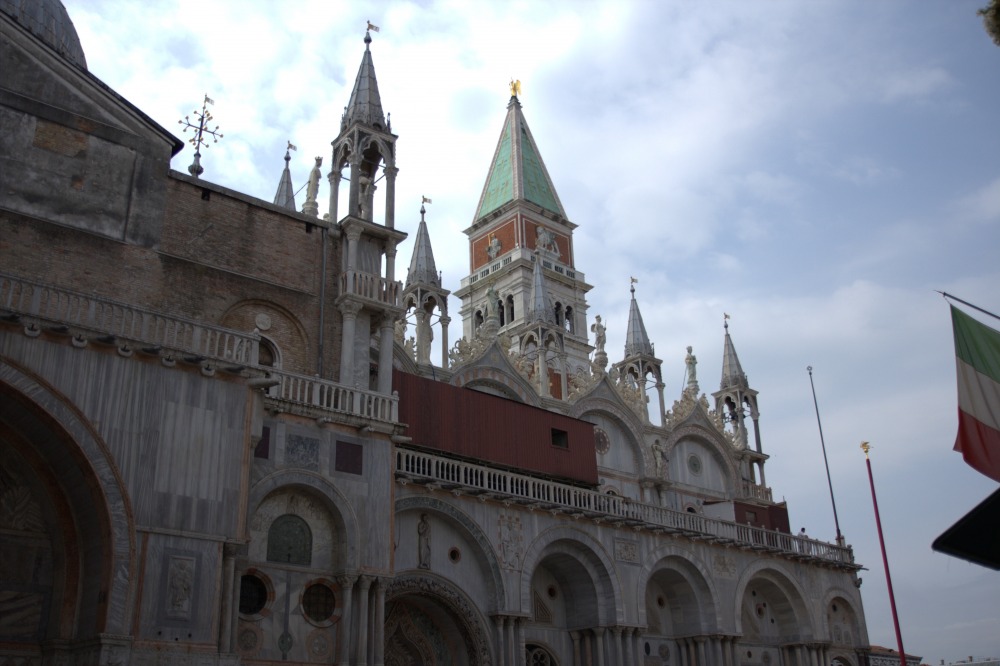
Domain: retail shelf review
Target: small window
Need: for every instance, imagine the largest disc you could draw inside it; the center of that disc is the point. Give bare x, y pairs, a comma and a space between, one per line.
560, 438
751, 516
253, 594
289, 541
319, 602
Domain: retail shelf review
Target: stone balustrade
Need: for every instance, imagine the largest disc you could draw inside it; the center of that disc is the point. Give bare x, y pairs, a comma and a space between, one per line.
110, 321
756, 492
559, 498
326, 395
371, 287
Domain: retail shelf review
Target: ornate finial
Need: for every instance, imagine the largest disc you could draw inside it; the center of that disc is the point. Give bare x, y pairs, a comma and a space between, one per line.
631, 288
865, 446
288, 154
423, 200
725, 320
200, 130
515, 88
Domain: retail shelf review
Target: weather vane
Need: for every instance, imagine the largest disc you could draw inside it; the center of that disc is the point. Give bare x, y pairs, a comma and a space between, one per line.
200, 131
515, 88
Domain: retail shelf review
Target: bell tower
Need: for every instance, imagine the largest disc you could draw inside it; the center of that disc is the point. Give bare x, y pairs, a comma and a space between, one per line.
519, 223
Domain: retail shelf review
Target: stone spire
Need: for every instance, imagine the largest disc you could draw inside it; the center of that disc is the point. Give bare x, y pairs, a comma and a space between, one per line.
423, 296
539, 305
640, 363
732, 372
517, 172
365, 106
285, 196
423, 270
737, 400
636, 341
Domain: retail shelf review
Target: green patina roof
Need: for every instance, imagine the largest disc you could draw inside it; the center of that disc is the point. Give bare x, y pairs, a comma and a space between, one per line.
517, 171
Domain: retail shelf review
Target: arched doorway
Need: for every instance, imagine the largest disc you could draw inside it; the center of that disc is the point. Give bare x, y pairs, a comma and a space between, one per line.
429, 622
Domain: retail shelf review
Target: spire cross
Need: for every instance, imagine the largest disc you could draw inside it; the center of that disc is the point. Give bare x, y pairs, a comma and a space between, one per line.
200, 131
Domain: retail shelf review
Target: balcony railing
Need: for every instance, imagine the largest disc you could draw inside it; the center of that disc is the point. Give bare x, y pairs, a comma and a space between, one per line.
327, 395
757, 492
479, 480
371, 287
517, 254
111, 319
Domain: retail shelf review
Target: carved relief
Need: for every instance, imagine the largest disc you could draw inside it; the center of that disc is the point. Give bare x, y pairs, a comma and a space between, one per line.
18, 509
180, 586
424, 542
510, 539
472, 633
724, 566
302, 452
626, 551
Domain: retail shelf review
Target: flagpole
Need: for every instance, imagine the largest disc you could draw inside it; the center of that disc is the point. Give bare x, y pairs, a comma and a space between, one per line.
836, 523
865, 446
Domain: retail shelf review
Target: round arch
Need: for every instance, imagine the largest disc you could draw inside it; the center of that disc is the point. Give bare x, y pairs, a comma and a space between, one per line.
485, 554
439, 606
335, 502
690, 566
625, 419
589, 554
776, 575
714, 446
62, 440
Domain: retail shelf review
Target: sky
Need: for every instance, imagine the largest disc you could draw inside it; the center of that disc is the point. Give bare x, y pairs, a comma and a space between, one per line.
815, 169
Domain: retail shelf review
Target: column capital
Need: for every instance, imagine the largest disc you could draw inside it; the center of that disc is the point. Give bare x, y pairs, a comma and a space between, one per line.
390, 172
366, 581
349, 308
345, 580
599, 631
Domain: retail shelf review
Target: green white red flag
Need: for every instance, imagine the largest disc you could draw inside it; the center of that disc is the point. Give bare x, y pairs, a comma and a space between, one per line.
977, 351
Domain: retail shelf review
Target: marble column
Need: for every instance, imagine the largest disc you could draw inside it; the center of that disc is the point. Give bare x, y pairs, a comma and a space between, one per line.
229, 601
346, 584
379, 627
363, 593
349, 311
575, 637
385, 356
334, 178
390, 195
599, 645
616, 633
501, 653
444, 339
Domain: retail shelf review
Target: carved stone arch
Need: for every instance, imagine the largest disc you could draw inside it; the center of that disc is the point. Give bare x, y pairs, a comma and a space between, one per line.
690, 565
59, 432
486, 555
334, 500
773, 571
386, 150
718, 450
494, 370
837, 594
471, 624
345, 148
249, 314
589, 553
626, 420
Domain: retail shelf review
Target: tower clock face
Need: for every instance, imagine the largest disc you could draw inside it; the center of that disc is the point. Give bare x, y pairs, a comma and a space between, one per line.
601, 440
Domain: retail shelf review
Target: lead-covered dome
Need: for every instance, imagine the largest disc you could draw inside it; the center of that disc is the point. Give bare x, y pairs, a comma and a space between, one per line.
49, 21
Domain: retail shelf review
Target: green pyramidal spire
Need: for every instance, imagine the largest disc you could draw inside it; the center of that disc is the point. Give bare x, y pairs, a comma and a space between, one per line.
517, 171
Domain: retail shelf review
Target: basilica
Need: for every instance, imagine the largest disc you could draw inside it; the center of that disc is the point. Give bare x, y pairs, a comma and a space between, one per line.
235, 430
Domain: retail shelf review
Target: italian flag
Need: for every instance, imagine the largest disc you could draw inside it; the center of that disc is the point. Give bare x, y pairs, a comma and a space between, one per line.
977, 348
